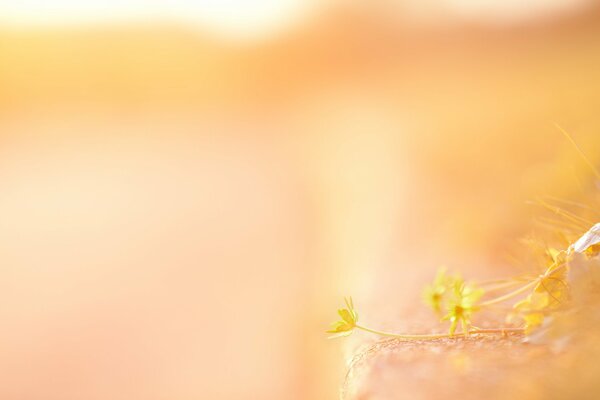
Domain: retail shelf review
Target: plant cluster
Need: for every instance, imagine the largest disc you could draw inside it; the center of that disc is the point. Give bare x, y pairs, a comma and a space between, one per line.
456, 301
567, 282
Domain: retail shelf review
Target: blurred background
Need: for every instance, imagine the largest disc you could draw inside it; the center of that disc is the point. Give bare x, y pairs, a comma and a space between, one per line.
188, 188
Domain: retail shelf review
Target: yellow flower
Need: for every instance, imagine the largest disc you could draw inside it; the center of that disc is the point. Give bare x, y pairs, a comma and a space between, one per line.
346, 325
554, 281
462, 306
532, 310
555, 256
434, 293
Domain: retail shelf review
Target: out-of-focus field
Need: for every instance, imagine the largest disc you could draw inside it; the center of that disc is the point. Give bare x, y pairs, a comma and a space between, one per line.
180, 216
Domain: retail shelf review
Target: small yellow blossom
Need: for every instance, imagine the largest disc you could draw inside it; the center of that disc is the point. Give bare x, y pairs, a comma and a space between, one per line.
462, 306
555, 256
435, 292
551, 292
532, 310
346, 325
554, 282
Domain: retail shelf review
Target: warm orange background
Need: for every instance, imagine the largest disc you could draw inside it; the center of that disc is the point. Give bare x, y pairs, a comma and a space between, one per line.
180, 214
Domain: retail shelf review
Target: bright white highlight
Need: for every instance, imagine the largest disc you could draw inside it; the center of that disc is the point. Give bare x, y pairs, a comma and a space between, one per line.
239, 18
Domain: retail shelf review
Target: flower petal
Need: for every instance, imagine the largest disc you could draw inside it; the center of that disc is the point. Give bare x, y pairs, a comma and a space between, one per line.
346, 315
340, 334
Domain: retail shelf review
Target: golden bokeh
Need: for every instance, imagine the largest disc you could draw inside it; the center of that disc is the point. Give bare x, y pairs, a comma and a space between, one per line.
183, 201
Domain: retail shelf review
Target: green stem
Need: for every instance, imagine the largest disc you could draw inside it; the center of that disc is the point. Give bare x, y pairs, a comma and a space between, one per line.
443, 335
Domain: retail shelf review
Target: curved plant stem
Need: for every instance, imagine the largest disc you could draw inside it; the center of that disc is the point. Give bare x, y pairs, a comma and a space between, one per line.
504, 285
434, 336
503, 282
581, 153
510, 295
524, 288
410, 337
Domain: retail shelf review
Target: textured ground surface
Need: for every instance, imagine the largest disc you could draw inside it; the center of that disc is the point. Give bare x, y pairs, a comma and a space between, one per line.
469, 368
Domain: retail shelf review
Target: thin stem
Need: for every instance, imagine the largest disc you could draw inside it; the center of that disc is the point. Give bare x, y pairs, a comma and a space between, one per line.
410, 337
516, 280
434, 336
495, 331
500, 286
573, 203
510, 295
581, 153
524, 288
575, 219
